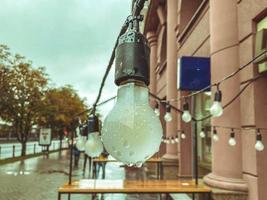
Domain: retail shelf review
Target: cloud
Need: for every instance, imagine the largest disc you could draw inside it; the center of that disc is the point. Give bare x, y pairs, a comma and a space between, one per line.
73, 39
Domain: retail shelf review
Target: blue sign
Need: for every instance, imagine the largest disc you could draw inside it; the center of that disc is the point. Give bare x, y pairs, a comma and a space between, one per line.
193, 73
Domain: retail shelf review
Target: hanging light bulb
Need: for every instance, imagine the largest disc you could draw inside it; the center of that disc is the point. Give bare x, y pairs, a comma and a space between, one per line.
176, 139
93, 146
186, 117
232, 141
157, 112
215, 136
259, 146
183, 136
131, 131
168, 141
163, 139
168, 115
80, 144
202, 133
216, 109
172, 140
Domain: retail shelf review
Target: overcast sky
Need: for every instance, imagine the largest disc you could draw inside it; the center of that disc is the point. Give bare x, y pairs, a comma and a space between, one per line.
73, 39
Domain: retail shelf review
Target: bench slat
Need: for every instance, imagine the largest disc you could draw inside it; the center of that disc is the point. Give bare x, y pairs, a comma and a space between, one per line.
133, 186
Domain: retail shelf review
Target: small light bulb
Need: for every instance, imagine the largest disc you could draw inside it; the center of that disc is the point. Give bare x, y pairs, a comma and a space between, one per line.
80, 144
168, 141
157, 110
215, 136
216, 109
232, 141
172, 140
163, 139
176, 139
186, 117
94, 146
168, 115
259, 146
183, 136
202, 133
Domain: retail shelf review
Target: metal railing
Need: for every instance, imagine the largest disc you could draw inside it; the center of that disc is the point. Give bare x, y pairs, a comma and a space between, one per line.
12, 150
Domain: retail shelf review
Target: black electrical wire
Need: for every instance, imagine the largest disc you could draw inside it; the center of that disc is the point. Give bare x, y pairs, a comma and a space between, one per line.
139, 4
111, 60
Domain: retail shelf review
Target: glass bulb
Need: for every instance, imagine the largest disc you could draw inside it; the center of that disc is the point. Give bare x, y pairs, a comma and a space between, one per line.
177, 139
202, 134
78, 131
232, 141
259, 145
216, 109
168, 141
172, 141
183, 136
157, 111
94, 146
215, 137
80, 144
168, 117
131, 131
186, 116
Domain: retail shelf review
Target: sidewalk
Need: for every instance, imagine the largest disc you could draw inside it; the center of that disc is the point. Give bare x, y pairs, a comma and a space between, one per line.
38, 178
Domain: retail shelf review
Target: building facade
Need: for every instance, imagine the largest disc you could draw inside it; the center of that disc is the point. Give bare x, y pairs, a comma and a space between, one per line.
224, 31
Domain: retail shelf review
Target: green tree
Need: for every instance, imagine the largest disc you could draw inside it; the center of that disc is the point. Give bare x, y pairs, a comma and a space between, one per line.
60, 108
22, 90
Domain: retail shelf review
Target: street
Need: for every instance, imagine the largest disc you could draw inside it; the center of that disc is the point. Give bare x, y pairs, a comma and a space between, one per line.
38, 178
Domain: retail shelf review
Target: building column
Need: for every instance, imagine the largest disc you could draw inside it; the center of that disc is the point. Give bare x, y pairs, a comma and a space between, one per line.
152, 40
171, 127
227, 160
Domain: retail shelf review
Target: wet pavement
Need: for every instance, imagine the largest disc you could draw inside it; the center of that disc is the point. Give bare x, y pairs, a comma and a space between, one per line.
38, 178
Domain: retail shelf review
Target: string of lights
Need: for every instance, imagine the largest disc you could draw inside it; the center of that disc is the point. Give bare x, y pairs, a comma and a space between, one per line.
259, 146
215, 111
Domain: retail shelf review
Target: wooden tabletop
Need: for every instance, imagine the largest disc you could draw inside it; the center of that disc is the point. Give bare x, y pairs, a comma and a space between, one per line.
133, 186
151, 160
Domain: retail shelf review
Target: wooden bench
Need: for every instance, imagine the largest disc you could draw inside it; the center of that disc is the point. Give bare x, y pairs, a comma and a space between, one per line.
95, 186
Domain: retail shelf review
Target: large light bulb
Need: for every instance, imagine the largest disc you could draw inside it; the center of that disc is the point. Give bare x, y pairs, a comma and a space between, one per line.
132, 132
186, 117
80, 144
216, 109
94, 146
259, 146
